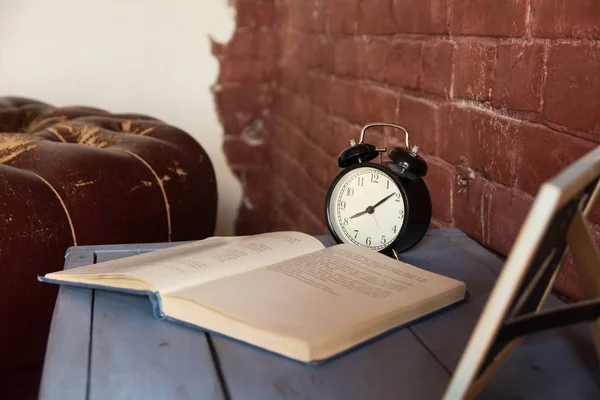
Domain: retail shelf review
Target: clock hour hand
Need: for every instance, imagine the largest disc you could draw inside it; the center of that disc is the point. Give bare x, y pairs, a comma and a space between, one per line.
383, 200
359, 214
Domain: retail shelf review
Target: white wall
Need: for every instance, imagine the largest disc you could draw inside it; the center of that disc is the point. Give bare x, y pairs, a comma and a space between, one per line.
147, 56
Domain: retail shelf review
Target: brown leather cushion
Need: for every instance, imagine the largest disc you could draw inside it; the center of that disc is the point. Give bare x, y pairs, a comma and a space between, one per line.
79, 176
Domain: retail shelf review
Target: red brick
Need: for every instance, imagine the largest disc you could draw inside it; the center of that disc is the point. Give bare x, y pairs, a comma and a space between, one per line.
404, 63
557, 18
246, 70
439, 180
508, 211
255, 181
474, 69
294, 78
334, 171
345, 56
294, 15
342, 15
320, 167
254, 14
341, 134
373, 58
420, 118
249, 221
470, 203
306, 15
518, 76
320, 53
287, 77
287, 200
281, 222
436, 64
281, 13
421, 16
567, 281
240, 97
294, 48
290, 141
594, 214
482, 140
342, 98
239, 152
318, 15
303, 188
319, 91
319, 131
284, 104
234, 122
435, 225
375, 19
303, 114
298, 14
488, 17
311, 222
572, 86
240, 172
542, 153
243, 44
372, 103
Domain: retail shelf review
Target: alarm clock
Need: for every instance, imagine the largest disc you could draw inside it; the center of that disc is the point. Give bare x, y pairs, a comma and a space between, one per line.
385, 206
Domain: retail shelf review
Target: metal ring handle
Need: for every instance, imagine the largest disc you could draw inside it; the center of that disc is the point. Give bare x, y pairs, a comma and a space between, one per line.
388, 124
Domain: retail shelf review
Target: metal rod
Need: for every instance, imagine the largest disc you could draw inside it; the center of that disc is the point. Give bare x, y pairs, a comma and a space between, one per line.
388, 124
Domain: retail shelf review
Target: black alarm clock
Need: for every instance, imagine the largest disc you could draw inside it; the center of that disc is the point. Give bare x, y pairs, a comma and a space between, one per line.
385, 206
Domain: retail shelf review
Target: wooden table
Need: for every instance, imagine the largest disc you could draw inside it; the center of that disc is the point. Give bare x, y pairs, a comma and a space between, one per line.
106, 345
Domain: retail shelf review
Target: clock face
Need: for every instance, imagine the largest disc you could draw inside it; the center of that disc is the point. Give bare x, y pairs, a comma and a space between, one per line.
366, 208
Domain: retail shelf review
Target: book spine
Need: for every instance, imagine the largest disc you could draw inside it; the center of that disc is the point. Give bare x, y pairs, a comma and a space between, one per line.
157, 309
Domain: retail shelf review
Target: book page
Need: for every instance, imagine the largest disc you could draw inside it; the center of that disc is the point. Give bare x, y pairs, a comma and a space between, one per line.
323, 294
202, 261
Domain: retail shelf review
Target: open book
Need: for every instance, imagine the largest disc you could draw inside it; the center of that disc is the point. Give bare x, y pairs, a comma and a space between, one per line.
283, 292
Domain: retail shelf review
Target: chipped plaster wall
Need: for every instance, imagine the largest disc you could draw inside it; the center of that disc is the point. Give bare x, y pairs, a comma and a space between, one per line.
146, 56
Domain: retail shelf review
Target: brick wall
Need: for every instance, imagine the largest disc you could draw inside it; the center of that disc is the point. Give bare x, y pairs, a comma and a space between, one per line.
243, 94
499, 95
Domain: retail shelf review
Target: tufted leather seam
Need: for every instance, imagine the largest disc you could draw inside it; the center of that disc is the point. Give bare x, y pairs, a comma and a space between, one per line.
55, 133
158, 181
64, 206
33, 126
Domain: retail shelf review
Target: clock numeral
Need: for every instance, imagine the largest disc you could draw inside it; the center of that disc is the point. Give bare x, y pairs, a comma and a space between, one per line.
394, 229
350, 192
387, 185
361, 181
346, 222
398, 197
401, 214
368, 241
343, 205
383, 240
355, 233
374, 178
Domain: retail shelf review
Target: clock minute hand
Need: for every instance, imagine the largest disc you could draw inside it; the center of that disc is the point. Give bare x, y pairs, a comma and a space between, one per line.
382, 200
370, 209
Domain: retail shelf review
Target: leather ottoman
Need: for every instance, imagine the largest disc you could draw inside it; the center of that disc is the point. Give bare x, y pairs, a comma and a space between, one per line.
78, 176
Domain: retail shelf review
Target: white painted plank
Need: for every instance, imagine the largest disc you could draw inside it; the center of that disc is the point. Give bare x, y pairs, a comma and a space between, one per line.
396, 366
555, 364
452, 256
66, 361
136, 356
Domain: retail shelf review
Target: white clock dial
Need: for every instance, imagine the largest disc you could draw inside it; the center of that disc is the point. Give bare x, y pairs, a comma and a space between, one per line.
367, 208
